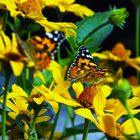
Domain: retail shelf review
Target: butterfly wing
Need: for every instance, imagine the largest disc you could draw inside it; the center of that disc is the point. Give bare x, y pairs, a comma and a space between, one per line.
56, 39
49, 42
82, 66
40, 49
84, 69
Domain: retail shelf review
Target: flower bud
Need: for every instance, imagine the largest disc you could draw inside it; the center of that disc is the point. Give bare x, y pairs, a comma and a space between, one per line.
118, 16
122, 90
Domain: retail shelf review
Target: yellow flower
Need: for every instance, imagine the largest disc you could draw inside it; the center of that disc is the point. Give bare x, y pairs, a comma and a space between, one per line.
29, 8
18, 105
32, 9
108, 124
117, 109
9, 52
115, 129
59, 85
70, 6
35, 99
90, 99
119, 54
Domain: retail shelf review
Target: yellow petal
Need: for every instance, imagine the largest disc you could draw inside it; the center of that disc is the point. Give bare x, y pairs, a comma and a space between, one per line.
86, 113
61, 4
106, 90
99, 100
42, 111
12, 106
18, 90
99, 103
68, 28
129, 128
62, 88
54, 105
17, 67
134, 111
56, 70
136, 91
5, 43
12, 115
119, 111
14, 44
60, 99
78, 88
100, 55
111, 104
137, 60
42, 119
134, 102
38, 100
108, 123
26, 127
80, 10
11, 6
52, 96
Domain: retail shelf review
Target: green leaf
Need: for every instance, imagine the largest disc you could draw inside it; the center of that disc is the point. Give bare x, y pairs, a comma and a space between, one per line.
33, 27
65, 61
47, 74
17, 23
94, 41
91, 24
92, 31
37, 81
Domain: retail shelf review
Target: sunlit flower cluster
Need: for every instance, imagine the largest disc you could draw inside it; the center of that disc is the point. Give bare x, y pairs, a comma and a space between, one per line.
93, 87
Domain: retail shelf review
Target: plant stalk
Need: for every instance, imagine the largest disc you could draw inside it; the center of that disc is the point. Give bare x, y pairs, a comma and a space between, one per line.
4, 107
55, 123
86, 127
5, 20
132, 118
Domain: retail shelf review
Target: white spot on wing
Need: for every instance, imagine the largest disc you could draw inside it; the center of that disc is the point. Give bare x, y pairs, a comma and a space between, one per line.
50, 35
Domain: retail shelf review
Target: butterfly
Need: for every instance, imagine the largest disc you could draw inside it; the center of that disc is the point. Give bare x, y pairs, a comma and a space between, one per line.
41, 49
84, 68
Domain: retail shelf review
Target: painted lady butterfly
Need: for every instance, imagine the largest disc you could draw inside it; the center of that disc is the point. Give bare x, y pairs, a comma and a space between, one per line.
84, 69
41, 49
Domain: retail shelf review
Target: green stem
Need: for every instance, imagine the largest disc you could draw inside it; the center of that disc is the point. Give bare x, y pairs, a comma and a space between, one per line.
5, 20
27, 74
33, 133
86, 127
55, 123
132, 118
137, 43
72, 119
4, 107
23, 81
